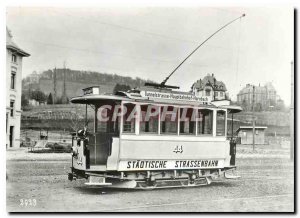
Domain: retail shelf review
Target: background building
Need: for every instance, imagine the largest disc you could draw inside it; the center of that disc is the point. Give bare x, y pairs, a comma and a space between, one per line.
14, 57
265, 98
245, 133
210, 87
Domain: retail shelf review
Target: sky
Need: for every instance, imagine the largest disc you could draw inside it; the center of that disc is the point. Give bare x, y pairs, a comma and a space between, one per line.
149, 42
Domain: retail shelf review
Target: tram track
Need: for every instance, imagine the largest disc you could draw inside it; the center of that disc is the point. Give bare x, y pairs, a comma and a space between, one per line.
204, 201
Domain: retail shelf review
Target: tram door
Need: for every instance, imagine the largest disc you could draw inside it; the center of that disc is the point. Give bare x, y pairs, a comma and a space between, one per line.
99, 145
100, 142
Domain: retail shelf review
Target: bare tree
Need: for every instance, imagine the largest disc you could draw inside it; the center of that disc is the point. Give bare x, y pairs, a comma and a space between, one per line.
77, 122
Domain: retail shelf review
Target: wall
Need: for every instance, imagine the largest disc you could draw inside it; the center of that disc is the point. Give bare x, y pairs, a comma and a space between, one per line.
247, 137
13, 95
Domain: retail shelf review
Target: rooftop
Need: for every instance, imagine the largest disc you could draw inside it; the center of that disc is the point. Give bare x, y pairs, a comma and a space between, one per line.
210, 80
10, 44
251, 128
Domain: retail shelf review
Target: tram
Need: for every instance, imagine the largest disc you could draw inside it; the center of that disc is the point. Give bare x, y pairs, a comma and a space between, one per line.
153, 137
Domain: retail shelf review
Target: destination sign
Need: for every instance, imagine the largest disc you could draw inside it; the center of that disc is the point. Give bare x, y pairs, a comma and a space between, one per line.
169, 164
173, 96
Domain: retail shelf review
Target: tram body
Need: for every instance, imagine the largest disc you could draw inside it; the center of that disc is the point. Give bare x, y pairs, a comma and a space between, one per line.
161, 151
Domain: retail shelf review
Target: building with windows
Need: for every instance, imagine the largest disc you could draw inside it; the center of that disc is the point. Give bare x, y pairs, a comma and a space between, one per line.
211, 88
14, 56
265, 98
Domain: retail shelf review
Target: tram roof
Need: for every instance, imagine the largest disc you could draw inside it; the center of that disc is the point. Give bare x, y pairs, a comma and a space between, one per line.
149, 95
93, 99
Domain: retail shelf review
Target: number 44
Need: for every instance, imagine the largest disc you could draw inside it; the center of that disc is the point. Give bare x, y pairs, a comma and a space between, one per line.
178, 149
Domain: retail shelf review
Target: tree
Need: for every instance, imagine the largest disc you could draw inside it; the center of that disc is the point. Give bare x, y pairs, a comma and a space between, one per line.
50, 99
245, 105
258, 107
121, 87
38, 96
24, 101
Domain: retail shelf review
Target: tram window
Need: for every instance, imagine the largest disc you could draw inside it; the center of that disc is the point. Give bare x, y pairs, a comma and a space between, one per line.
149, 119
205, 122
106, 124
169, 120
221, 118
187, 121
129, 118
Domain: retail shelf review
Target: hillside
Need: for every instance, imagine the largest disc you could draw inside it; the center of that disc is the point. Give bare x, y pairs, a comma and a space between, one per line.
75, 81
62, 117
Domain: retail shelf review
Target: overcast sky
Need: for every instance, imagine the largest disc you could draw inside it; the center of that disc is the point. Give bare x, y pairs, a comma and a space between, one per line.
150, 42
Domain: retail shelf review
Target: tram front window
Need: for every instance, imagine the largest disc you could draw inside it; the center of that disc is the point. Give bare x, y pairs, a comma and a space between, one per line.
149, 119
169, 120
205, 122
221, 118
187, 121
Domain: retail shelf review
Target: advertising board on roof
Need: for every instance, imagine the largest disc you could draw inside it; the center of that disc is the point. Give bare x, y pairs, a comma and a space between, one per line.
173, 96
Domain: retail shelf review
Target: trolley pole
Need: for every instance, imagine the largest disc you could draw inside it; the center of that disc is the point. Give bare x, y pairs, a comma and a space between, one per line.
253, 118
292, 114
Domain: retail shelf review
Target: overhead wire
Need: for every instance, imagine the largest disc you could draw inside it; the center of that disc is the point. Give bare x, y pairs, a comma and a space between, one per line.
137, 30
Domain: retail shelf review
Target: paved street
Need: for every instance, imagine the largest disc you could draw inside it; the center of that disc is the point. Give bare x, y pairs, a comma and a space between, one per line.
266, 185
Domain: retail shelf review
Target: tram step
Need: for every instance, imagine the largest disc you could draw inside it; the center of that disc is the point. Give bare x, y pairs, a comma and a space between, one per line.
97, 184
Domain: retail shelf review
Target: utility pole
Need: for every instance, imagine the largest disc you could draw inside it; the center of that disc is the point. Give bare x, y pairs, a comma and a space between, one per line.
292, 113
54, 88
253, 118
64, 95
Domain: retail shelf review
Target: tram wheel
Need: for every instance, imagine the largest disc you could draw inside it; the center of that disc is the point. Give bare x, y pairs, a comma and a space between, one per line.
187, 184
144, 185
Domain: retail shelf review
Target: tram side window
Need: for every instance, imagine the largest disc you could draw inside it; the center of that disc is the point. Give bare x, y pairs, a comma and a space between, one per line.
106, 121
129, 118
169, 120
205, 122
149, 119
221, 118
187, 121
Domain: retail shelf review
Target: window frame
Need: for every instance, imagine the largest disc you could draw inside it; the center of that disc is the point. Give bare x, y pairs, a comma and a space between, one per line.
195, 122
13, 79
12, 108
177, 120
158, 120
207, 92
135, 120
137, 127
14, 58
212, 121
225, 122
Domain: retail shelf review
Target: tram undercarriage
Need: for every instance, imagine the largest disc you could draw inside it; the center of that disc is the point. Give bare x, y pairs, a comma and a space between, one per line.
154, 179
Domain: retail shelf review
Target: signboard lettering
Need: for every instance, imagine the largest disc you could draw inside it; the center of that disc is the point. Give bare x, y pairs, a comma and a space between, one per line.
173, 96
169, 164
